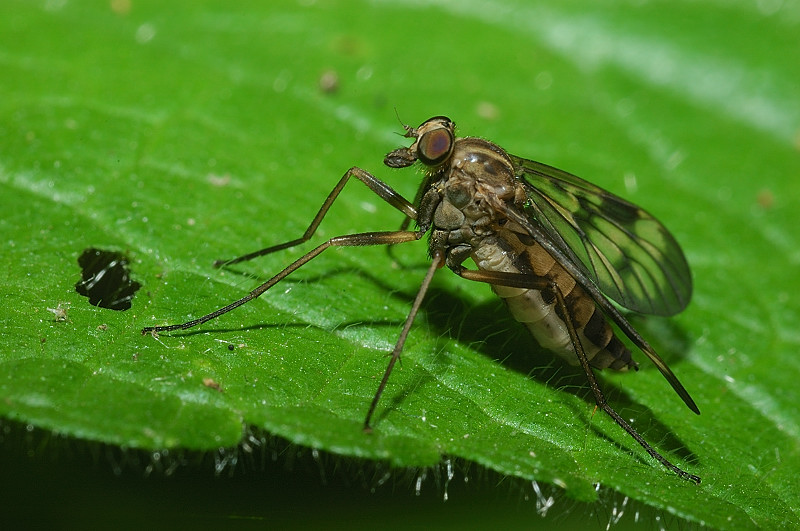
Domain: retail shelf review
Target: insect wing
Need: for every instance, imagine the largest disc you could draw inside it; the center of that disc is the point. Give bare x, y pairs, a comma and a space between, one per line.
624, 250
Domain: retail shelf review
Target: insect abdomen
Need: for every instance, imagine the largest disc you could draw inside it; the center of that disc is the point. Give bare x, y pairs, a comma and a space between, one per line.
537, 309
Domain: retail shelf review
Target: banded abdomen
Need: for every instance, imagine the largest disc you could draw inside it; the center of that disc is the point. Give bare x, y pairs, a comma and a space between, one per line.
516, 252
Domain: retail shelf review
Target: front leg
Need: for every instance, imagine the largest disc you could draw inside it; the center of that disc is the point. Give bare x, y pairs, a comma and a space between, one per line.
381, 189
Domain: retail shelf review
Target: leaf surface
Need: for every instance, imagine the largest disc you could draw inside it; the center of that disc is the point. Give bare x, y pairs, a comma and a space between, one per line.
185, 133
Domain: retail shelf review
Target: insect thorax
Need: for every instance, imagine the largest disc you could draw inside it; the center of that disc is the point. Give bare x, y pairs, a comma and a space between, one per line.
465, 203
465, 209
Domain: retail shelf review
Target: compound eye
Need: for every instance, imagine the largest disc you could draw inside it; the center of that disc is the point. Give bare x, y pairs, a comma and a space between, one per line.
433, 147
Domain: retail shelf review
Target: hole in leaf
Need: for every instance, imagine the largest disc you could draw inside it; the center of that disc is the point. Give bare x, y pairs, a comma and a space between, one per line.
106, 279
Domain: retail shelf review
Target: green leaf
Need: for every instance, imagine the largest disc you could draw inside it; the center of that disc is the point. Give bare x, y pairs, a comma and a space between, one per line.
189, 132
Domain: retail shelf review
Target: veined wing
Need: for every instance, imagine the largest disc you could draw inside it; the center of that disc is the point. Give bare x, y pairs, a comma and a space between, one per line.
624, 250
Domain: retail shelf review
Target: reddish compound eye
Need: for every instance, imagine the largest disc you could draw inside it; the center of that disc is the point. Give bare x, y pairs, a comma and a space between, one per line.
435, 146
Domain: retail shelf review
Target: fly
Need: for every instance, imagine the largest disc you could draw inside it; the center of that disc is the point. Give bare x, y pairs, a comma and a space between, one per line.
557, 249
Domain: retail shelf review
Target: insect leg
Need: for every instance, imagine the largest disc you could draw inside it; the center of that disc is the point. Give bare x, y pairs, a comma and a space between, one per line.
438, 261
645, 347
605, 305
350, 240
518, 280
381, 189
423, 187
